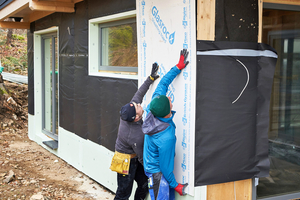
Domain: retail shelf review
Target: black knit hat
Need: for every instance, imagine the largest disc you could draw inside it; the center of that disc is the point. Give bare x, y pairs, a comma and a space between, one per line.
128, 112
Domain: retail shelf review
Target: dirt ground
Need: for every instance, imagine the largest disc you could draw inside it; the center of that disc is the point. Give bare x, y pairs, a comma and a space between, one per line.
27, 170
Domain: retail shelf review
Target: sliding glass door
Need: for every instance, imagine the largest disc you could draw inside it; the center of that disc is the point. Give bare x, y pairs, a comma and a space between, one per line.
50, 85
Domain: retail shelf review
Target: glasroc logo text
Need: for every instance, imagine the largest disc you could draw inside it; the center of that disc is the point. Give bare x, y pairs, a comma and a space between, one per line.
161, 27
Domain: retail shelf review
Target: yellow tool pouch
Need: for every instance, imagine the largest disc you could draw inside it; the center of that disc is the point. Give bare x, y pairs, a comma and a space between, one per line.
120, 163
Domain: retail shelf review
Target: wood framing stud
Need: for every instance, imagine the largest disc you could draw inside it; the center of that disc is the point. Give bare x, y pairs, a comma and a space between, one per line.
260, 24
15, 25
53, 6
206, 19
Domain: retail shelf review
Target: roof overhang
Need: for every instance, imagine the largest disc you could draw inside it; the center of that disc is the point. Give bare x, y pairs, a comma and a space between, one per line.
31, 10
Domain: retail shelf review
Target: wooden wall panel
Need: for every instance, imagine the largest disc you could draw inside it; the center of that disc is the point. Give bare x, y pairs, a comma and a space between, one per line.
238, 190
206, 19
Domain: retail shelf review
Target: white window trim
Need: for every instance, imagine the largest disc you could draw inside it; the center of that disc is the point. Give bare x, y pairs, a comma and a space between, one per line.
37, 41
94, 49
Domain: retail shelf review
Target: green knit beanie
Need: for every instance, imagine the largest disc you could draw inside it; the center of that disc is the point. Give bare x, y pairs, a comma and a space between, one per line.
160, 106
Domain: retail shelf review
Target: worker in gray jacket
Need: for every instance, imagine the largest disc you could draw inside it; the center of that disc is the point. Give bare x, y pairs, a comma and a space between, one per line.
130, 140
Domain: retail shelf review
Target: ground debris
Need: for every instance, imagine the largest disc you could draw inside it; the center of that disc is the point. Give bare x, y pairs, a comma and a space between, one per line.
37, 196
13, 113
10, 177
36, 170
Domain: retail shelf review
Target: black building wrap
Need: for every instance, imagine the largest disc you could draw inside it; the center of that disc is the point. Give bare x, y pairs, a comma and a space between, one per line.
236, 20
88, 105
232, 112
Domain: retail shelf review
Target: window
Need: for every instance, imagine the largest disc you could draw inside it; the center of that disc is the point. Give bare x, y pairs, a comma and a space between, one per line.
281, 29
113, 46
50, 85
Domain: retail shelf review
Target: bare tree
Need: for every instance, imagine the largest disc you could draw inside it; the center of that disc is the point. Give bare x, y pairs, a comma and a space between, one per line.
9, 33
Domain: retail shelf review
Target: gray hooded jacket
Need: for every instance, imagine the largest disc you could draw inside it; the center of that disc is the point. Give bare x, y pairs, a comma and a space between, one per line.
130, 138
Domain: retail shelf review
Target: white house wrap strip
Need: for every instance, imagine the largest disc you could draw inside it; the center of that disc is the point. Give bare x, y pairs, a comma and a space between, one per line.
246, 82
239, 52
20, 79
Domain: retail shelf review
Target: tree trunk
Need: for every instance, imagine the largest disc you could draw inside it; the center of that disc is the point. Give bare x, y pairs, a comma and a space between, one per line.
9, 34
3, 89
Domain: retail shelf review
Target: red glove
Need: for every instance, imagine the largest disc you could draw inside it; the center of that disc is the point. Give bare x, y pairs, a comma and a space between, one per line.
180, 188
182, 61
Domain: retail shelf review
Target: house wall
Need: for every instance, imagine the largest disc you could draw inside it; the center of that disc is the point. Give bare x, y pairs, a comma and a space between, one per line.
84, 101
88, 105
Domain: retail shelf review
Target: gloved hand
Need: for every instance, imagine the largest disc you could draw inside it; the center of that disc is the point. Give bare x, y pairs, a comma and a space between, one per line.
180, 188
154, 75
182, 61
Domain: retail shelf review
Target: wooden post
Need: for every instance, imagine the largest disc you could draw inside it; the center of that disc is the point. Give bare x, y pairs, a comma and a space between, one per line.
260, 14
206, 19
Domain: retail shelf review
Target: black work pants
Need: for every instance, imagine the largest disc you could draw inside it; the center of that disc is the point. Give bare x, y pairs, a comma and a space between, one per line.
125, 182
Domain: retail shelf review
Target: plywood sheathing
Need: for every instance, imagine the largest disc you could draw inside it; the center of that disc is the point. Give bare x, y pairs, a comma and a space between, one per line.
206, 19
241, 190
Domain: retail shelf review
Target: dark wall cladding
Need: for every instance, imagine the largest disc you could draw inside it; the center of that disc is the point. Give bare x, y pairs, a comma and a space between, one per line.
236, 20
88, 105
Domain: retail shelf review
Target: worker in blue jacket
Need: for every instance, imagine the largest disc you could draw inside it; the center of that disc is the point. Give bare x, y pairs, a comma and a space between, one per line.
160, 139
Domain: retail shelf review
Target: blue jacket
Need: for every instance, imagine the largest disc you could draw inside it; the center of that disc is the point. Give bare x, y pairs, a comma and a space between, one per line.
160, 139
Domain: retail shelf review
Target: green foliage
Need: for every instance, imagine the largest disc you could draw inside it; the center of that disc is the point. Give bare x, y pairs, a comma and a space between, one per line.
120, 37
122, 45
18, 37
13, 61
2, 90
14, 55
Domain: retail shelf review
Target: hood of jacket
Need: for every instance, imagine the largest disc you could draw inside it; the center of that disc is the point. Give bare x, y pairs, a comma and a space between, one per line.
153, 125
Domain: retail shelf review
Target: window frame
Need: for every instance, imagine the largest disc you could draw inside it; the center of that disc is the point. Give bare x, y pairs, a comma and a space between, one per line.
38, 82
95, 26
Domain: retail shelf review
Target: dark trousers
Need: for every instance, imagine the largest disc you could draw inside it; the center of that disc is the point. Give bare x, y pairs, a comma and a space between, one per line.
125, 182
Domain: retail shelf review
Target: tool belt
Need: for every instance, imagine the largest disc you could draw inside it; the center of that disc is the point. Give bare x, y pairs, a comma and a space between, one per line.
120, 162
